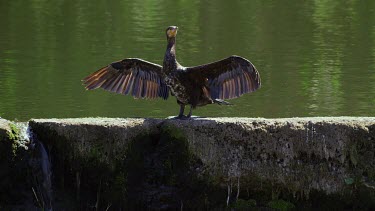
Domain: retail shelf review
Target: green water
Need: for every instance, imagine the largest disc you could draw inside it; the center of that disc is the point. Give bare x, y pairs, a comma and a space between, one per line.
316, 58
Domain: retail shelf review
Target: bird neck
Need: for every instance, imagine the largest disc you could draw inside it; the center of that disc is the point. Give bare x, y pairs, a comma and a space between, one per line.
171, 47
170, 62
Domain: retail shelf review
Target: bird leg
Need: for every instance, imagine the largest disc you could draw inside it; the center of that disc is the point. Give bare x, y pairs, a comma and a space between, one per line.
190, 112
181, 114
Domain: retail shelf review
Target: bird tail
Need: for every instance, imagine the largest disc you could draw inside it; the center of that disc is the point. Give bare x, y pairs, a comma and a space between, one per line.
222, 102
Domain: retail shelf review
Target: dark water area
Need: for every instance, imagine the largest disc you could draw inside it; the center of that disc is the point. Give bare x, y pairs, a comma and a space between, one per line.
316, 58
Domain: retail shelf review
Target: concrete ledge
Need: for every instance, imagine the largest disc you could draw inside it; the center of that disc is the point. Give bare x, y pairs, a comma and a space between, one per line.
4, 129
327, 154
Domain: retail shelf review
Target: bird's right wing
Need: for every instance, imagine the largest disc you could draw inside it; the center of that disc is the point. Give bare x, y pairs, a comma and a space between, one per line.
228, 78
141, 79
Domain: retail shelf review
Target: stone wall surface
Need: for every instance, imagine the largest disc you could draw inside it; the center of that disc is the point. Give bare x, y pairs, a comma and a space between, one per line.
295, 156
202, 163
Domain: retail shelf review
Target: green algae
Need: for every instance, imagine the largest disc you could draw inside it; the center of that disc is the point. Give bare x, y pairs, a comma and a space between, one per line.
14, 133
281, 205
242, 204
10, 143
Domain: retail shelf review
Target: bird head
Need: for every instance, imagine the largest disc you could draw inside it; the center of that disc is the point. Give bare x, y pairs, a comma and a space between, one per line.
171, 31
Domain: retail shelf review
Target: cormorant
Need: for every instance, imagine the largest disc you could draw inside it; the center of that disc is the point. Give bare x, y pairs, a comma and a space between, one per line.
195, 86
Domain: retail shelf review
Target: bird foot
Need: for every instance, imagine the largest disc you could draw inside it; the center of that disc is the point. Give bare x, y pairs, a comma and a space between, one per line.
183, 117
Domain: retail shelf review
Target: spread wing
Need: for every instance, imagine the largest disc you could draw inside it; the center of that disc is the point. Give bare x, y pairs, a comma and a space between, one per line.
229, 78
137, 77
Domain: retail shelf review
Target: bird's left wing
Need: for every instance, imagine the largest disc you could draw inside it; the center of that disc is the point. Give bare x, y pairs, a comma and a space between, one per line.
228, 78
139, 78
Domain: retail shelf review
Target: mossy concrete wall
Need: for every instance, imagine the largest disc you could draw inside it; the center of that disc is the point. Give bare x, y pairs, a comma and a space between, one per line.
263, 159
8, 148
15, 187
5, 129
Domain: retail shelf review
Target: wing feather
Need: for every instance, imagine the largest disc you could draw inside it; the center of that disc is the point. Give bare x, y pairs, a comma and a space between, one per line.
115, 83
137, 77
127, 80
121, 84
229, 78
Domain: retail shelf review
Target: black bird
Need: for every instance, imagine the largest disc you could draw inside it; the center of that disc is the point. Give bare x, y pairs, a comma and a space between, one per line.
195, 86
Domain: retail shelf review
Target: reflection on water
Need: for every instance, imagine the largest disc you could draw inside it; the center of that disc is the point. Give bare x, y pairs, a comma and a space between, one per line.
316, 58
328, 58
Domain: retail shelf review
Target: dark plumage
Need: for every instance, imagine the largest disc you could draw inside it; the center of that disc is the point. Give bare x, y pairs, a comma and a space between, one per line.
195, 86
